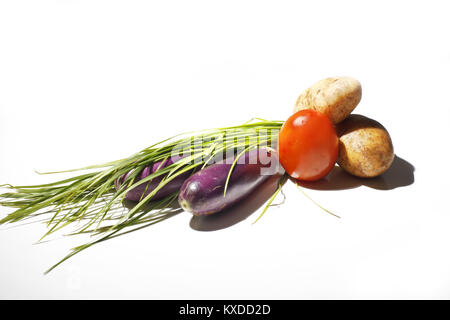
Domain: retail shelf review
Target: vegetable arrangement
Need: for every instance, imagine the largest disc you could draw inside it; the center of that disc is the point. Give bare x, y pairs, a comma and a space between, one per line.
208, 171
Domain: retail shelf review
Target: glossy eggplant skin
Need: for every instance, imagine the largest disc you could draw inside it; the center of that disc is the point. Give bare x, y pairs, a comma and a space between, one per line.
203, 192
137, 193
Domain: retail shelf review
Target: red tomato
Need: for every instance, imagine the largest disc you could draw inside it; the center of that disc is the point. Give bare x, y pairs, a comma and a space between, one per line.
308, 145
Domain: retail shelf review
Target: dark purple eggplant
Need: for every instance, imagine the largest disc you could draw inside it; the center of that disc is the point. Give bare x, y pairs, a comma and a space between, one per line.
203, 192
137, 193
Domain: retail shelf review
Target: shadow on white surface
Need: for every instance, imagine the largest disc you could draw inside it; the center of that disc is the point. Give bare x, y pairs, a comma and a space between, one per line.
400, 174
239, 212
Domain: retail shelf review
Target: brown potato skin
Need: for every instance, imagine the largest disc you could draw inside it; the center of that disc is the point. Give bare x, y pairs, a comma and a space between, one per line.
365, 147
335, 97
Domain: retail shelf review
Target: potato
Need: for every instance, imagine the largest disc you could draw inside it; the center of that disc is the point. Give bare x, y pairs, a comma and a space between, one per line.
365, 147
335, 97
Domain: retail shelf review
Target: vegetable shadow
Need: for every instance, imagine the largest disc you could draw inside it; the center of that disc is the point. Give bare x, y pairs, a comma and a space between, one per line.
238, 212
400, 174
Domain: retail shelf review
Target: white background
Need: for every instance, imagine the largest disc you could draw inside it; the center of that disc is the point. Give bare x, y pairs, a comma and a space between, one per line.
84, 82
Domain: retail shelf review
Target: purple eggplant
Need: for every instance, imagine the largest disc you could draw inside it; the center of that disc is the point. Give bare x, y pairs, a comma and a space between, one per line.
203, 192
142, 190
